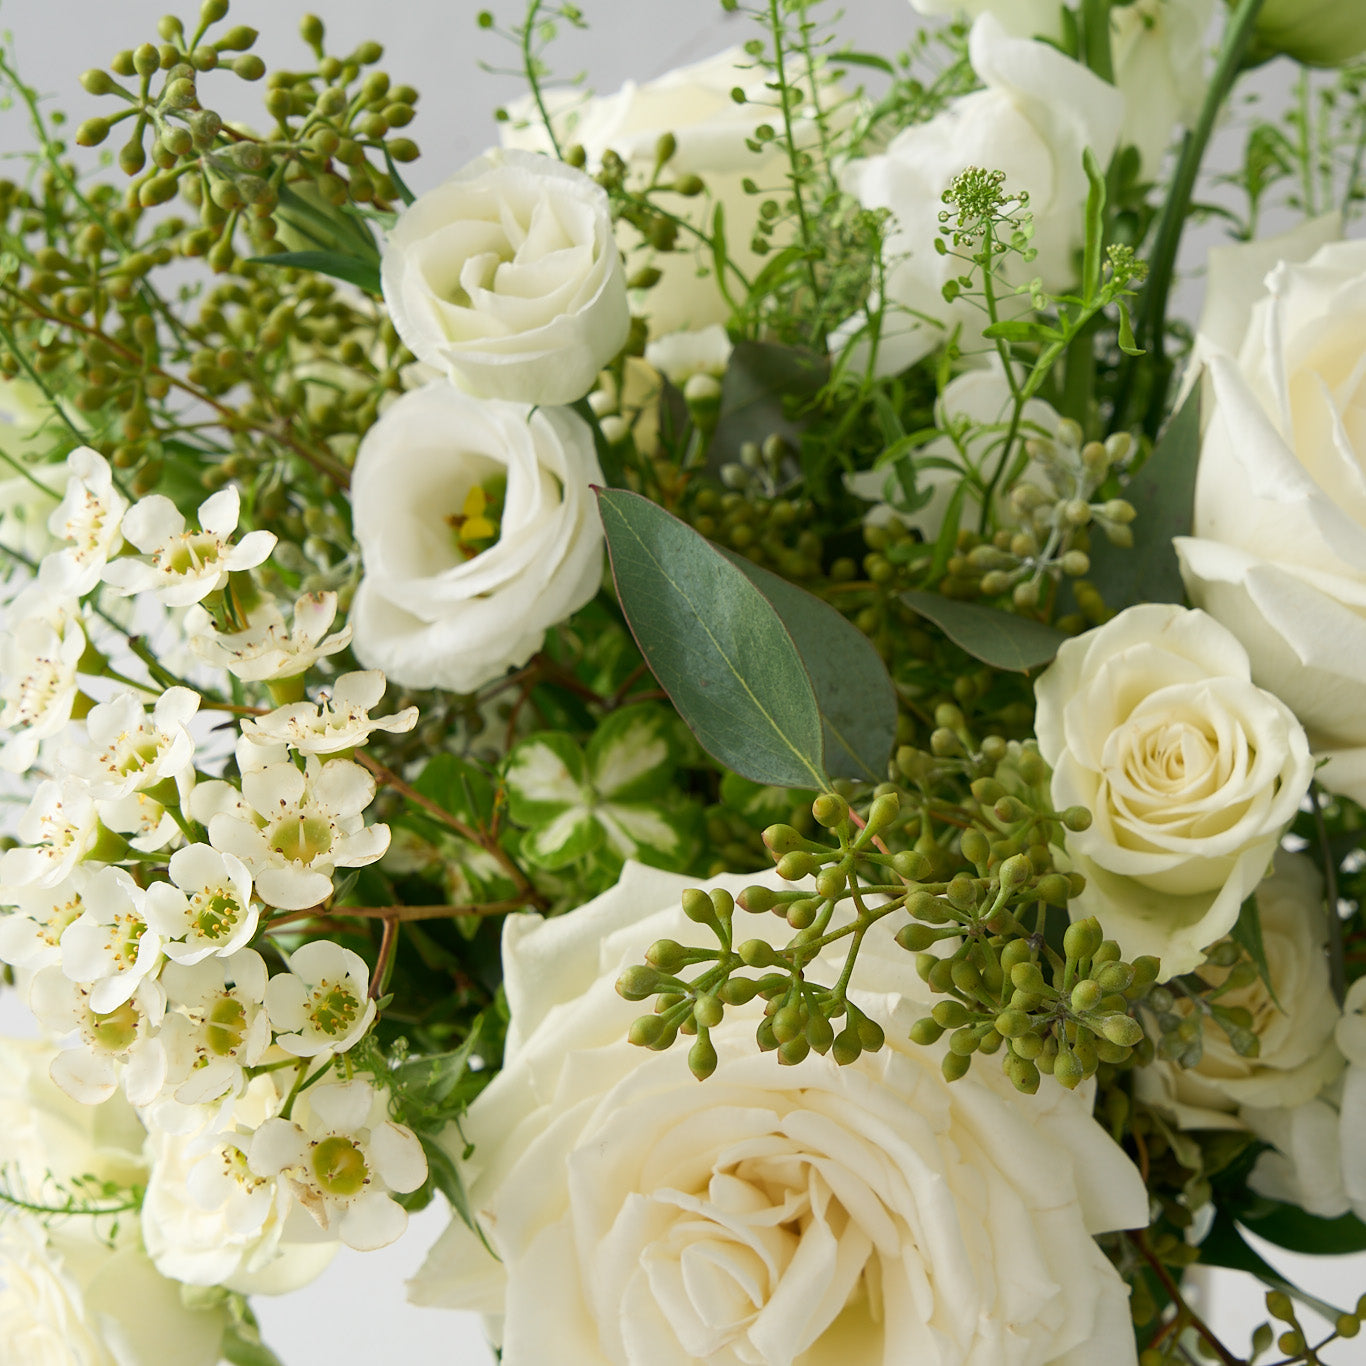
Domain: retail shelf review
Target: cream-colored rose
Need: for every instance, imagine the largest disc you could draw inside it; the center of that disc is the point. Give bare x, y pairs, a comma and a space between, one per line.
1318, 1161
712, 133
1320, 32
873, 1214
507, 279
81, 1291
1038, 113
1191, 774
1278, 554
1297, 1056
477, 532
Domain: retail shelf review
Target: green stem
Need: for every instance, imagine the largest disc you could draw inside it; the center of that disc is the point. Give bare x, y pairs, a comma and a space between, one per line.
795, 173
1095, 38
531, 69
1151, 324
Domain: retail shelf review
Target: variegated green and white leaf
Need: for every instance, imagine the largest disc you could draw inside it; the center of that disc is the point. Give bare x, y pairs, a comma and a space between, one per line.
638, 831
546, 775
564, 838
631, 754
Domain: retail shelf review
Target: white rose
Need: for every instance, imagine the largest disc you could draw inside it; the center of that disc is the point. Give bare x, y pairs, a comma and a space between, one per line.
1297, 1056
81, 1292
873, 1213
1279, 551
1318, 1161
1038, 113
712, 133
432, 608
1320, 32
1190, 772
508, 280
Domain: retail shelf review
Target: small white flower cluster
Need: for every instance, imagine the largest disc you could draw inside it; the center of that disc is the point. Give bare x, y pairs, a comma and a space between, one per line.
133, 907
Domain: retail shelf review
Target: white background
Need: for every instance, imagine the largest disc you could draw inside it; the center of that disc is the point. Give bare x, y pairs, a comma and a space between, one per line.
355, 1314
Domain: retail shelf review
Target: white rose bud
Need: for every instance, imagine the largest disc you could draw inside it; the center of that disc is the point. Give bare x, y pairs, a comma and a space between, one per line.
507, 279
477, 532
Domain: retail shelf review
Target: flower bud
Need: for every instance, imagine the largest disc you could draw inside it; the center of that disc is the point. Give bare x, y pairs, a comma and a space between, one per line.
638, 982
1122, 1030
915, 938
1083, 939
666, 955
830, 809
646, 1031
955, 1065
702, 1058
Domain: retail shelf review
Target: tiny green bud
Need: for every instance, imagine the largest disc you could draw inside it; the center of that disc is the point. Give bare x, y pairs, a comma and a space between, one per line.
831, 882
667, 955
97, 82
950, 1014
911, 865
146, 60
758, 899
697, 906
311, 29
237, 39
757, 953
249, 66
737, 991
915, 938
1083, 938
1114, 977
793, 1051
1015, 872
883, 812
1012, 1024
1086, 995
847, 1048
795, 866
819, 1033
975, 848
1028, 1046
637, 983
782, 839
1122, 1030
646, 1031
962, 892
870, 1034
1068, 1070
926, 1031
702, 1058
955, 1065
92, 132
830, 810
1023, 1074
211, 11
1027, 977
708, 1012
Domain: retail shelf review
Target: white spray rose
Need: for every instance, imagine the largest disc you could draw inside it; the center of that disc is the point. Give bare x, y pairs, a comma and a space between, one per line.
507, 279
873, 1213
1190, 772
1279, 551
1038, 113
1294, 1028
477, 532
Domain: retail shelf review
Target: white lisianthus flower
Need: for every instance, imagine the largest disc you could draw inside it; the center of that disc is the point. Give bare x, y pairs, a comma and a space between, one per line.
128, 750
40, 654
455, 591
88, 518
322, 1004
1278, 554
1296, 1055
974, 413
214, 1026
59, 828
267, 649
508, 281
206, 907
185, 566
107, 1048
1020, 18
208, 1219
292, 828
343, 1156
1191, 774
109, 947
1038, 113
872, 1213
339, 720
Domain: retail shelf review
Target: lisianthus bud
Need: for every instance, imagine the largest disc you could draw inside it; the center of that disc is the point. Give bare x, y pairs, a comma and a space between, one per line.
1319, 32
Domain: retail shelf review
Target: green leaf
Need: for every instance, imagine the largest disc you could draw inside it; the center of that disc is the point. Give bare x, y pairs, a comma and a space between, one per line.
545, 776
458, 787
760, 377
1095, 221
716, 645
1012, 329
1247, 934
847, 57
1225, 1245
363, 274
1001, 639
1163, 495
1293, 1229
1127, 343
853, 690
243, 1348
446, 1177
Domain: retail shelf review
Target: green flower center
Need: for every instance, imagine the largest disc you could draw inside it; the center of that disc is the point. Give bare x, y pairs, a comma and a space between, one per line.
117, 1030
225, 1027
188, 554
214, 913
302, 838
334, 1008
339, 1166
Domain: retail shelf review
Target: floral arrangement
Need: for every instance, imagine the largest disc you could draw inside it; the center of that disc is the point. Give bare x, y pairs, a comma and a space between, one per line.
761, 546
